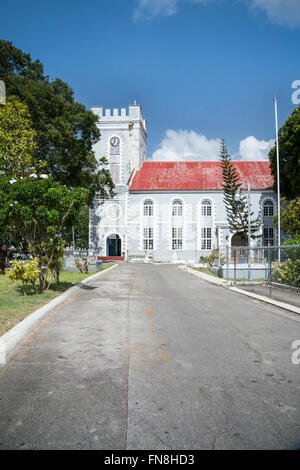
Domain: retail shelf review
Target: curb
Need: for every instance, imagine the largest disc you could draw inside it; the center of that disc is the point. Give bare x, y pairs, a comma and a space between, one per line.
289, 307
206, 277
229, 285
17, 333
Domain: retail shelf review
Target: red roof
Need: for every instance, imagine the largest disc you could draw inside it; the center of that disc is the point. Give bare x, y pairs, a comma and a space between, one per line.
188, 176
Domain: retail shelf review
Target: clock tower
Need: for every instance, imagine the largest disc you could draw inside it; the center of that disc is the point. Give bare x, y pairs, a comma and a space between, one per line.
123, 143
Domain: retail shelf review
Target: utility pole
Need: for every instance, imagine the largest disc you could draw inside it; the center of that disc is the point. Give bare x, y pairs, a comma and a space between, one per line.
278, 179
196, 242
249, 234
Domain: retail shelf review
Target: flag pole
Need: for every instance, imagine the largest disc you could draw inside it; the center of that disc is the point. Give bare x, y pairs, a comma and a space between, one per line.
278, 178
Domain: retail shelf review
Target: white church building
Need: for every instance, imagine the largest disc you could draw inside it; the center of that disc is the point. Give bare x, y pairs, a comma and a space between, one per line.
170, 211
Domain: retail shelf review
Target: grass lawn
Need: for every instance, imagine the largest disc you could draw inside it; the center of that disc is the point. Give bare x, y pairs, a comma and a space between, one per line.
206, 271
14, 306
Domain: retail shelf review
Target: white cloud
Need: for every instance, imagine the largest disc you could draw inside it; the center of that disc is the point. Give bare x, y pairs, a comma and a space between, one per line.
285, 12
253, 149
187, 145
184, 145
149, 9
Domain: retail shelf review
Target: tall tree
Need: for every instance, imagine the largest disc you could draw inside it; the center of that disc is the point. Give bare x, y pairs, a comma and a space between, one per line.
17, 138
235, 203
289, 157
290, 217
17, 147
40, 211
66, 131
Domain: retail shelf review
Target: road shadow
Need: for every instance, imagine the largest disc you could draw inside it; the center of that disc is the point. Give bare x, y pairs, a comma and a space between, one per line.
86, 287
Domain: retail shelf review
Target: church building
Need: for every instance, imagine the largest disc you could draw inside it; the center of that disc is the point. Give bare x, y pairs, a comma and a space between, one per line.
167, 211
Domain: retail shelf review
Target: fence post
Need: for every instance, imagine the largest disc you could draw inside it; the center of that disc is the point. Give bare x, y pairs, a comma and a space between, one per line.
249, 264
227, 261
269, 271
234, 259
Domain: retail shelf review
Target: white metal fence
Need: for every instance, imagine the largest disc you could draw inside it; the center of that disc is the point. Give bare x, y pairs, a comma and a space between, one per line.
277, 265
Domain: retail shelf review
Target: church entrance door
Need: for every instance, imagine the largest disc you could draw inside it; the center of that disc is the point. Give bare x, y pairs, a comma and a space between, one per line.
113, 245
239, 239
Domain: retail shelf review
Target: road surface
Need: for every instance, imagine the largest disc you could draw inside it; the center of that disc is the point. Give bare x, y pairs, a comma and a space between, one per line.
151, 357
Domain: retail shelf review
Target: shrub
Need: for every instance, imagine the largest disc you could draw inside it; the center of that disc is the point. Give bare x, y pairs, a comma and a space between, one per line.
292, 253
82, 263
57, 263
208, 259
26, 272
287, 272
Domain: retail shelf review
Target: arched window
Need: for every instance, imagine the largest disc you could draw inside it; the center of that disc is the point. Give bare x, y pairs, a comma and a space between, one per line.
177, 208
268, 209
177, 225
206, 208
148, 208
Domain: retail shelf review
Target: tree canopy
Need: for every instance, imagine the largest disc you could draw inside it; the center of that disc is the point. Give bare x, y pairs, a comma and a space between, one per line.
17, 138
39, 211
65, 129
289, 157
289, 217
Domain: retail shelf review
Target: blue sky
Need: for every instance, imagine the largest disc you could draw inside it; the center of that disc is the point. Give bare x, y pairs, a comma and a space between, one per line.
201, 69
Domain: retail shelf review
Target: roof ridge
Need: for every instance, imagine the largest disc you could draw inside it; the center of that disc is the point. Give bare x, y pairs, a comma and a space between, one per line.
202, 161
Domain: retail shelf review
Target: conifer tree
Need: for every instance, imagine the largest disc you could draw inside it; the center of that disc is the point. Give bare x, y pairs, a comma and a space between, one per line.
236, 208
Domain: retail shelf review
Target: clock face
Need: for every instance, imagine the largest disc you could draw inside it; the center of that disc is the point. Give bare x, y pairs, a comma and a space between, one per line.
115, 142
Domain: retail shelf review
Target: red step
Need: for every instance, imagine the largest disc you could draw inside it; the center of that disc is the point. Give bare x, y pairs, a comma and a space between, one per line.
111, 258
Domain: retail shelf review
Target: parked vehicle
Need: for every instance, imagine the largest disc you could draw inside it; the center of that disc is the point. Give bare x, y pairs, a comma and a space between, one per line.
21, 256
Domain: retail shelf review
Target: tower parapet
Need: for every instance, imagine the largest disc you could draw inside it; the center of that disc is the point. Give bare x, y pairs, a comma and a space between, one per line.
132, 113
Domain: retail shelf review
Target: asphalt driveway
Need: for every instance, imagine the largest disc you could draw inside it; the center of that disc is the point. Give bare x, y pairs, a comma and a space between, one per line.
151, 357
